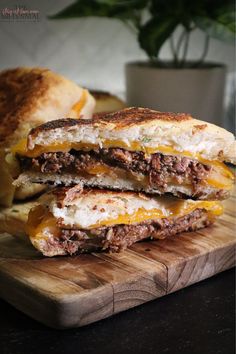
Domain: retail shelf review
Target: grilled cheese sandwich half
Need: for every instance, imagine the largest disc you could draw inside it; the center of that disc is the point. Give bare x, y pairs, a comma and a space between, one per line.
133, 149
75, 220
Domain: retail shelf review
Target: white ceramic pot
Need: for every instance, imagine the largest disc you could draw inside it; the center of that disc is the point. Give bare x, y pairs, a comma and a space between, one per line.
198, 91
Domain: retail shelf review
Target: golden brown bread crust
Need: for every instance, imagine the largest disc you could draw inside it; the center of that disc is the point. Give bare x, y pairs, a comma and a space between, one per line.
65, 195
135, 115
59, 123
54, 124
20, 90
125, 117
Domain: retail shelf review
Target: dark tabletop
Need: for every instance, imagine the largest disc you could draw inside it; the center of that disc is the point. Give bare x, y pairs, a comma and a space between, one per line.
198, 319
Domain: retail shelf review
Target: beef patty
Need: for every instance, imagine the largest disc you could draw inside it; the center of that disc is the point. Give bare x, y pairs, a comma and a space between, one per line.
159, 168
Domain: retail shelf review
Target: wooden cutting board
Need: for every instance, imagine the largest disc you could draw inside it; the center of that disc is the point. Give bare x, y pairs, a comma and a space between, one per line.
74, 291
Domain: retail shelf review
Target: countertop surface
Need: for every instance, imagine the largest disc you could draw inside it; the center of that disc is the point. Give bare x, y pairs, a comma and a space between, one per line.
198, 319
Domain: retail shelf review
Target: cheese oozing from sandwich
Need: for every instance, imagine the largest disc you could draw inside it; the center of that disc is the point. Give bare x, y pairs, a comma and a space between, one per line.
99, 209
79, 105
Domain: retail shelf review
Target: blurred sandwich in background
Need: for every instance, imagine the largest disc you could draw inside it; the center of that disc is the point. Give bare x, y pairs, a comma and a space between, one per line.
106, 102
28, 98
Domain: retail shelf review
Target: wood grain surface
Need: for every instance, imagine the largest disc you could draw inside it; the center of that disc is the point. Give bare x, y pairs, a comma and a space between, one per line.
68, 292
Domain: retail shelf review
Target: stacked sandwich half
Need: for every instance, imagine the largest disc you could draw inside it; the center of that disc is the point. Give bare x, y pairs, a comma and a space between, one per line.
122, 177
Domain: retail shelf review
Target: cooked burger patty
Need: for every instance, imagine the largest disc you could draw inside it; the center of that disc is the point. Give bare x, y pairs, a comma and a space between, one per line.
157, 167
119, 237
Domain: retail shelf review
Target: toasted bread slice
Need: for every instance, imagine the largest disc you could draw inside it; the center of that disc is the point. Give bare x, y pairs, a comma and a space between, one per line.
143, 127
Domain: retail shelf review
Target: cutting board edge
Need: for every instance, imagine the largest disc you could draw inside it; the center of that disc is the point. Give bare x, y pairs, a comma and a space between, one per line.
60, 322
48, 310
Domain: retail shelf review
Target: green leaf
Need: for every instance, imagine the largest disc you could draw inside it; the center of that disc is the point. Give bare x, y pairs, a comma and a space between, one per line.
165, 7
126, 3
82, 8
112, 2
154, 34
121, 9
222, 27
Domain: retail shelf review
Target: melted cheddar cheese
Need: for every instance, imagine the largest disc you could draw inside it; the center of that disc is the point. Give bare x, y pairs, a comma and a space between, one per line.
41, 223
21, 148
78, 106
98, 169
222, 176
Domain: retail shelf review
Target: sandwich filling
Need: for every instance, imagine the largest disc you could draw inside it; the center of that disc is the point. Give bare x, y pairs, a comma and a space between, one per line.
113, 221
156, 170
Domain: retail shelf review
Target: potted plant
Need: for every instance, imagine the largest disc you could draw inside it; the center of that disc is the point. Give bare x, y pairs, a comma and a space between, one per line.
177, 85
